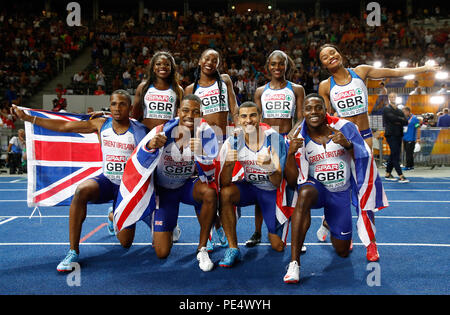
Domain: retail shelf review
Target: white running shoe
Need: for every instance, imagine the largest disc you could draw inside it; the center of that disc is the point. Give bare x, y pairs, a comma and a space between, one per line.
176, 234
293, 273
322, 232
204, 262
303, 250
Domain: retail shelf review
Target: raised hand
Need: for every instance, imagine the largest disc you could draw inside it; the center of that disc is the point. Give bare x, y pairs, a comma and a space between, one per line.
17, 112
158, 141
339, 138
231, 157
196, 143
264, 157
295, 142
268, 160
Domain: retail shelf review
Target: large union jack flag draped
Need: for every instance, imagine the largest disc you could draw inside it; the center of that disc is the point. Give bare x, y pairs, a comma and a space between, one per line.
58, 162
137, 197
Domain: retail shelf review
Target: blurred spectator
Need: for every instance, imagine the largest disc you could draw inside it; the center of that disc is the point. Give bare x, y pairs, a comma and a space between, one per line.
100, 77
59, 103
34, 80
126, 79
78, 77
394, 120
417, 89
410, 138
99, 91
116, 83
382, 89
7, 118
12, 96
16, 153
444, 119
60, 89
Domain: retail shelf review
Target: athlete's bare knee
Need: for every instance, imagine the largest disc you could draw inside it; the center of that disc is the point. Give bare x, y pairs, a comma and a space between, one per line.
343, 252
162, 252
210, 196
83, 193
279, 247
276, 243
126, 243
126, 238
226, 193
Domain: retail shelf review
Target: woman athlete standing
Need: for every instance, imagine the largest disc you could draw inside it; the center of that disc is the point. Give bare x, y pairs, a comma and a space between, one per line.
346, 94
218, 101
158, 97
281, 103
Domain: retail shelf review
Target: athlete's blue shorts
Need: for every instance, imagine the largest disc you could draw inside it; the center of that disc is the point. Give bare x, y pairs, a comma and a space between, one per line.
266, 199
365, 134
337, 209
108, 190
165, 216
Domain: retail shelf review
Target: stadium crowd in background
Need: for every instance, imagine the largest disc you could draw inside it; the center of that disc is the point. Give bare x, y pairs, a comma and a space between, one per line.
33, 51
122, 47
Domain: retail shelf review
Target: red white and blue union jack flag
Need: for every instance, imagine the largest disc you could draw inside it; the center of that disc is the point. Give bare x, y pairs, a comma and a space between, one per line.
58, 162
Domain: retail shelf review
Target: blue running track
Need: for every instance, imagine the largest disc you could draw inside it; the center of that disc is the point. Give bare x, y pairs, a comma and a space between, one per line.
413, 237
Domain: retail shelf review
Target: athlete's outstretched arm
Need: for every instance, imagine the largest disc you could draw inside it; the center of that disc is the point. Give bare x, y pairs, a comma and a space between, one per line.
366, 71
59, 125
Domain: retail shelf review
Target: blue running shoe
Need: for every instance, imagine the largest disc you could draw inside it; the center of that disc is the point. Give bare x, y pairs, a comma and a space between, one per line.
110, 223
66, 264
209, 246
231, 256
222, 238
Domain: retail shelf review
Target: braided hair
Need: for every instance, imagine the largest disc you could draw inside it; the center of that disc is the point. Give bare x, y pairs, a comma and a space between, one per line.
198, 72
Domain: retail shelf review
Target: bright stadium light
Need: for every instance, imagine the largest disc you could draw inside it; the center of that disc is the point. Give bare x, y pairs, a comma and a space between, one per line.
377, 64
409, 77
437, 100
441, 75
403, 64
269, 7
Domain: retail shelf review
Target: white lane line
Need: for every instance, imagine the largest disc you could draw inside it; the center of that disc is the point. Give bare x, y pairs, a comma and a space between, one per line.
17, 189
7, 220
